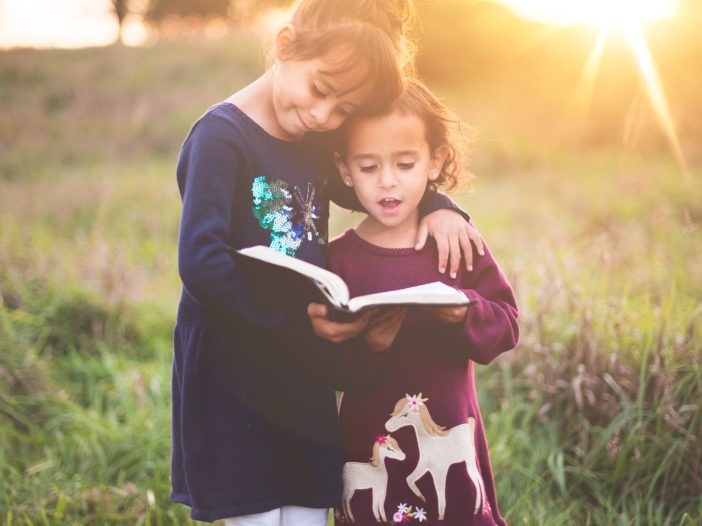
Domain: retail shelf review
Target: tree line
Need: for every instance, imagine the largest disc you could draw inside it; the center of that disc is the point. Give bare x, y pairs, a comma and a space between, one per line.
156, 11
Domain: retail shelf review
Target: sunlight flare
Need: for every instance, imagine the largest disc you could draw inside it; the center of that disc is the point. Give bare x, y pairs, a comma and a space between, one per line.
635, 36
600, 12
626, 16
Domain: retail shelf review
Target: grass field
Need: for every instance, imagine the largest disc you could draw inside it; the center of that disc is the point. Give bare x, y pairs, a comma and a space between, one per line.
595, 419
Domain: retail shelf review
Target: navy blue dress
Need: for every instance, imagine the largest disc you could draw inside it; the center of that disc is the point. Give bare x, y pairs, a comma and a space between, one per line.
254, 409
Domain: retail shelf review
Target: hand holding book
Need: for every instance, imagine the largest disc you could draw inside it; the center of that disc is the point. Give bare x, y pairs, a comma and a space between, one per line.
377, 327
383, 328
334, 331
336, 293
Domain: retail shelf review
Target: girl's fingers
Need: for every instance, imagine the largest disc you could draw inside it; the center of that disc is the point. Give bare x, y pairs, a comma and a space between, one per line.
396, 314
362, 321
396, 322
422, 235
455, 254
317, 310
442, 248
391, 324
385, 315
477, 239
350, 328
331, 330
401, 316
466, 248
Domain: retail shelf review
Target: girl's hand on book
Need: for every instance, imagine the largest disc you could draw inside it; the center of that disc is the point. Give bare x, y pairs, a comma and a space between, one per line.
334, 331
383, 328
453, 235
448, 315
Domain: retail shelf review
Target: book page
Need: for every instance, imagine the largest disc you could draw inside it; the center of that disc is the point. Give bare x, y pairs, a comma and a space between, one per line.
436, 293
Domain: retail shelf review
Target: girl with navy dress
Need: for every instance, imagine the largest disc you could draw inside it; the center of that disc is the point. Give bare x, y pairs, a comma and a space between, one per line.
255, 431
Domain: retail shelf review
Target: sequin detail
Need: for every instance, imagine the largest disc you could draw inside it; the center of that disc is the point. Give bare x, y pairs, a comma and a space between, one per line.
290, 216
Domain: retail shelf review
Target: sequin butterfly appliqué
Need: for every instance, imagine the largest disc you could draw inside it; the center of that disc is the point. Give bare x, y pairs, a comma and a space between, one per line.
289, 212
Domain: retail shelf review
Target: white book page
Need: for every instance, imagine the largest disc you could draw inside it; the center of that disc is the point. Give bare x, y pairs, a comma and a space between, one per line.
329, 283
436, 293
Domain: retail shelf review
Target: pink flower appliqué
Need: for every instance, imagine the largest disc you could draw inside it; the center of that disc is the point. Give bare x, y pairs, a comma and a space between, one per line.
415, 402
381, 440
404, 514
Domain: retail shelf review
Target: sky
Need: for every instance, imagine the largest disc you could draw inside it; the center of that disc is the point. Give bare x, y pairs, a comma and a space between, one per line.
80, 23
59, 23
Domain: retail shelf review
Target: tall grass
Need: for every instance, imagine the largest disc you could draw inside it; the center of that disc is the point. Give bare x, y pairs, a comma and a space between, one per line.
609, 372
594, 419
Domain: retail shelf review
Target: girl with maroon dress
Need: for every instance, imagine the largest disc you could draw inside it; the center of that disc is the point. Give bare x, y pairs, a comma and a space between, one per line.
414, 447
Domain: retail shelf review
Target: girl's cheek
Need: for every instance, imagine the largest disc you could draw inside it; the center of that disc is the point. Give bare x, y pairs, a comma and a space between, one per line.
338, 121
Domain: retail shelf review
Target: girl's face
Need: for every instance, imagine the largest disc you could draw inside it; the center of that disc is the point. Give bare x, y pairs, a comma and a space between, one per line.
307, 98
389, 164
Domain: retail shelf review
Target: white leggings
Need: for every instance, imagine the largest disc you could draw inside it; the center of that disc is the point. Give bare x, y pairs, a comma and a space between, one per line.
285, 516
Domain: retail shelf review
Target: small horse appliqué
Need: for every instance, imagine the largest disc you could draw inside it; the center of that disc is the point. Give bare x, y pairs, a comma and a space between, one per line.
371, 475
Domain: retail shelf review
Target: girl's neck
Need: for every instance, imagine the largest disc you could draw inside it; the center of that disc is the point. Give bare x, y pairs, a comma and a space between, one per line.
256, 101
400, 236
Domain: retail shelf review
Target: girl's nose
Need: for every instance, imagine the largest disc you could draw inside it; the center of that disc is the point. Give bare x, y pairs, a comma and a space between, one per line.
387, 177
321, 113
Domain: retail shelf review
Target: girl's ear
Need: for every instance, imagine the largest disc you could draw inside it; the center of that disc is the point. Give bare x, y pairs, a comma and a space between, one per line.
283, 40
343, 169
437, 161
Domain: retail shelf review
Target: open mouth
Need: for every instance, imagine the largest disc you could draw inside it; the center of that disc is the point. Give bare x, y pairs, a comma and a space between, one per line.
389, 204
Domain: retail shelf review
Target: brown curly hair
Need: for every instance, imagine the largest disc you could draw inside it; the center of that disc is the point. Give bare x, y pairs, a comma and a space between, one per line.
443, 128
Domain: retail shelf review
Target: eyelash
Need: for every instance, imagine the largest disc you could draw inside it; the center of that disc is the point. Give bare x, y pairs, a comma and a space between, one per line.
371, 168
318, 92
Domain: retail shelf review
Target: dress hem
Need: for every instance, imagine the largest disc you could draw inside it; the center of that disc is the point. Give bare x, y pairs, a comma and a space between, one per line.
236, 510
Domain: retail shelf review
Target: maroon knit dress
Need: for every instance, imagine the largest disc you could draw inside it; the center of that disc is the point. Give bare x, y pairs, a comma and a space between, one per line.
413, 439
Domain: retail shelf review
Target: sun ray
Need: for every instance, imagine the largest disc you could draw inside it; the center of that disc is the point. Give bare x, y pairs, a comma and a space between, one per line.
635, 36
581, 99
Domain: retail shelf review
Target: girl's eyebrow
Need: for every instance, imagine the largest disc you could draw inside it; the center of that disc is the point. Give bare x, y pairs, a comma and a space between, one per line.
361, 156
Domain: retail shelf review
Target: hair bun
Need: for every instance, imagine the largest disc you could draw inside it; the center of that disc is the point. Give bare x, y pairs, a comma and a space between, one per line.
393, 17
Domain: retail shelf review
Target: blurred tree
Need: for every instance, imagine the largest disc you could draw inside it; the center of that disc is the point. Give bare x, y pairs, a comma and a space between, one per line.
158, 10
120, 9
245, 11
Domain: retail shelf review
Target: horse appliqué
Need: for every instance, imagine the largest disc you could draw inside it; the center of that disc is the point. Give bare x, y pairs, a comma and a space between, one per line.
439, 448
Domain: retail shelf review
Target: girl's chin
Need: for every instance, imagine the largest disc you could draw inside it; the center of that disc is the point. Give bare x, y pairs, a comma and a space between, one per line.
384, 221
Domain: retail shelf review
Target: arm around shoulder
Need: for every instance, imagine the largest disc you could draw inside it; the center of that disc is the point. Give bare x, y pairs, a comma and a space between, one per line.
433, 201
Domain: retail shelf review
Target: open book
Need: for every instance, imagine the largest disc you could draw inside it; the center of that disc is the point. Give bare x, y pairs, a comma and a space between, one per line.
334, 289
